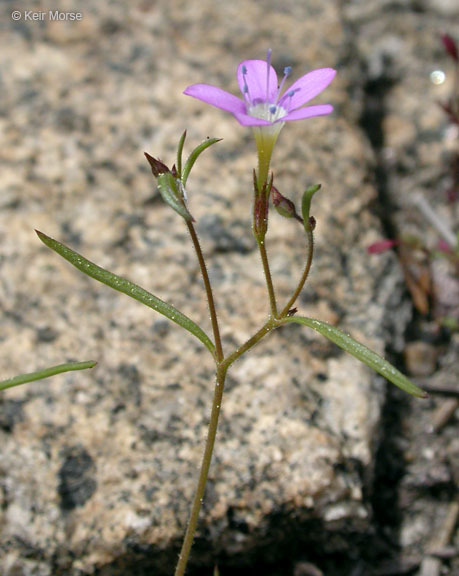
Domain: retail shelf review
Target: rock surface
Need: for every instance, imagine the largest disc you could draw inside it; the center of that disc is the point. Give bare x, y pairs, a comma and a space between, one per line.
98, 469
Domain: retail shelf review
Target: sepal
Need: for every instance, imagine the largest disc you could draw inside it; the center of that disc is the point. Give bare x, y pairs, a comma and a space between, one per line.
173, 193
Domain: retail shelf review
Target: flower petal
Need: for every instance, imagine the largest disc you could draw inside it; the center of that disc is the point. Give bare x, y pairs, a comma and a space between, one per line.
216, 97
307, 112
256, 79
247, 120
307, 87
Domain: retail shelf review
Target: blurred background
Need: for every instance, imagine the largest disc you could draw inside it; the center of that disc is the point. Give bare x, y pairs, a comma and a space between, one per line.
320, 467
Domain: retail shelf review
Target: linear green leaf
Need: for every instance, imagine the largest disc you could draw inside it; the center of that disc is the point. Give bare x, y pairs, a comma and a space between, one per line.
195, 155
46, 373
180, 152
126, 287
306, 204
361, 352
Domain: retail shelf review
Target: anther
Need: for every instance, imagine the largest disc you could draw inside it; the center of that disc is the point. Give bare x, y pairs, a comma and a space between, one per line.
288, 95
245, 91
287, 72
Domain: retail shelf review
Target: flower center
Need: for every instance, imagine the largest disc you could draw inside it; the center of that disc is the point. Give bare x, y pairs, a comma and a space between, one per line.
268, 108
267, 111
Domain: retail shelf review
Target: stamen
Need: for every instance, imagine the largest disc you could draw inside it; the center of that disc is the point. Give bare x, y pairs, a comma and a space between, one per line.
273, 109
245, 92
245, 88
287, 72
288, 95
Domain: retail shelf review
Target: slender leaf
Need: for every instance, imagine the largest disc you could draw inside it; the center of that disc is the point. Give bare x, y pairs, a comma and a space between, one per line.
126, 287
195, 155
46, 373
180, 153
306, 204
361, 352
172, 192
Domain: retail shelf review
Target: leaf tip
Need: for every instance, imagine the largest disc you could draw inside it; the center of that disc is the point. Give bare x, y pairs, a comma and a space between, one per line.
43, 237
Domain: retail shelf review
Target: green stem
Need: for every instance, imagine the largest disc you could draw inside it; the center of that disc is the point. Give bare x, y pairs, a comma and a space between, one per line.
265, 329
206, 460
208, 288
210, 442
269, 281
305, 275
46, 373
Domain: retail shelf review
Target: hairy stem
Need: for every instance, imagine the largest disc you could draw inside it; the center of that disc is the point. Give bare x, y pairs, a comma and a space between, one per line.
206, 460
269, 281
208, 288
265, 329
210, 442
304, 277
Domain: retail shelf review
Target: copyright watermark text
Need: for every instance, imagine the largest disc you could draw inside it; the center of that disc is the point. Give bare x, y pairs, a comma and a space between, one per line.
51, 15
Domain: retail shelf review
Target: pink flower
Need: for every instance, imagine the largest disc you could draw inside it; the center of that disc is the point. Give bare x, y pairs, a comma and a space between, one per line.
264, 101
381, 246
265, 105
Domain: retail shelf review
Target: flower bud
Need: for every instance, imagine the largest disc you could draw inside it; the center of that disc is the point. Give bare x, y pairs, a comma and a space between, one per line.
157, 167
283, 205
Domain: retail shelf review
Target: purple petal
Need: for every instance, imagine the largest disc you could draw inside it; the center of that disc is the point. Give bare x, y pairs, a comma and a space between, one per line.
307, 112
256, 79
216, 97
247, 120
307, 87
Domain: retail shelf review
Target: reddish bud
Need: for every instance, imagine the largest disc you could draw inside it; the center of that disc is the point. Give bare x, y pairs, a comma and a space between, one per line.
283, 205
381, 246
157, 167
450, 46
